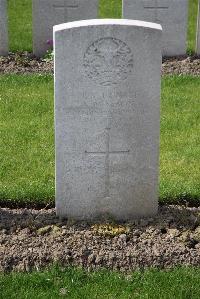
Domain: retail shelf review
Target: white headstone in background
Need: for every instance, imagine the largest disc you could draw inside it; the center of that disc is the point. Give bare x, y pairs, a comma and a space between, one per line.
47, 13
3, 28
171, 14
198, 32
107, 97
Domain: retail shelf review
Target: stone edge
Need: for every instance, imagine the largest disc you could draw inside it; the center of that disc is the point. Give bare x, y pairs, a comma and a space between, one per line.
99, 22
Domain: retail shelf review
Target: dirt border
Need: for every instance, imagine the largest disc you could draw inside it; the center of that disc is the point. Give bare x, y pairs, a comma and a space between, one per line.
32, 239
27, 63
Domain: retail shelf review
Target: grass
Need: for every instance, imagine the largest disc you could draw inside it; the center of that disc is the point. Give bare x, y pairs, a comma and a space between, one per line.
110, 9
20, 22
27, 139
179, 147
179, 283
193, 9
20, 25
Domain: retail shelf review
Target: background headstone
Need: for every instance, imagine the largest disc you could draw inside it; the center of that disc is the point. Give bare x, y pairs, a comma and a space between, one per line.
107, 95
3, 28
198, 32
171, 14
47, 13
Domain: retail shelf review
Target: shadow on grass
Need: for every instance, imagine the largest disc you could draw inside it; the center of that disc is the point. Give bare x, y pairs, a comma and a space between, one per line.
185, 199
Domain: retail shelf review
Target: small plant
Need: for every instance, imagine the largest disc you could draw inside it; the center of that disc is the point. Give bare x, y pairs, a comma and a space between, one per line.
110, 229
49, 56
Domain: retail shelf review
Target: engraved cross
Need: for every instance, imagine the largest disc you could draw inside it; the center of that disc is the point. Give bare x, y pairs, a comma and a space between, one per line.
65, 7
156, 8
107, 154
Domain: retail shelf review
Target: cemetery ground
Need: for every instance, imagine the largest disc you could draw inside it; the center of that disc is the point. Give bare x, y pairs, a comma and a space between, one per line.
31, 239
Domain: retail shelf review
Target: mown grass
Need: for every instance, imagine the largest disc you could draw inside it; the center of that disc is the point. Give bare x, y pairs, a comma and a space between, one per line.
27, 139
20, 22
20, 25
179, 144
110, 9
179, 283
193, 9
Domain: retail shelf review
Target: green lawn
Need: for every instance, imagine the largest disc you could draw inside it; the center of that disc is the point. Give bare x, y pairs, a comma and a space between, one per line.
193, 9
27, 139
179, 146
20, 22
20, 25
110, 9
182, 283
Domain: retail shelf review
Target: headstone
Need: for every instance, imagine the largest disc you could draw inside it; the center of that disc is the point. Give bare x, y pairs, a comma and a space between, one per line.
107, 95
171, 14
3, 28
198, 32
47, 13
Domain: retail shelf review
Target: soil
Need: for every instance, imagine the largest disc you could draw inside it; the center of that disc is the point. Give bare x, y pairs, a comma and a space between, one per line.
33, 239
26, 63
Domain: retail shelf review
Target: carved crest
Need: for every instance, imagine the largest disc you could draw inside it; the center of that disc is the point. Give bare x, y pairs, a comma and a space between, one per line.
108, 61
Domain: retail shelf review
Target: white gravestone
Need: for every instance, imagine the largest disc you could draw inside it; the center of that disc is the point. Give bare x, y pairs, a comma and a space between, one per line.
47, 13
3, 28
198, 32
171, 14
107, 97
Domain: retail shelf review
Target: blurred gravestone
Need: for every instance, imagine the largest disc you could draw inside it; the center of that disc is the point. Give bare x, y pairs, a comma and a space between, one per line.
47, 13
3, 28
171, 14
107, 97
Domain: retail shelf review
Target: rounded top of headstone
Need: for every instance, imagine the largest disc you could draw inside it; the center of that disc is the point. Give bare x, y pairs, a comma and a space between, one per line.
99, 22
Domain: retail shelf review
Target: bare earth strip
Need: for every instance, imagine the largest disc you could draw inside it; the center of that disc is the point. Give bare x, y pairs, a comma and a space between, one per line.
25, 63
32, 239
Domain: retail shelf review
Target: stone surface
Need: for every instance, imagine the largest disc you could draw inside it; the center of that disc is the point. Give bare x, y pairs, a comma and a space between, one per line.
198, 32
47, 13
107, 95
171, 14
3, 28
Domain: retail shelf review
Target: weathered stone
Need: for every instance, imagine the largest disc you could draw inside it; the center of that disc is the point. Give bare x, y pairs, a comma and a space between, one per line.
107, 96
3, 28
47, 13
171, 14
